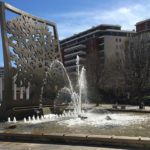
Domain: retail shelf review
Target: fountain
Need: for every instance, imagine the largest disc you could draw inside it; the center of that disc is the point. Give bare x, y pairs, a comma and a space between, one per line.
76, 96
81, 92
14, 120
94, 121
33, 67
9, 120
25, 120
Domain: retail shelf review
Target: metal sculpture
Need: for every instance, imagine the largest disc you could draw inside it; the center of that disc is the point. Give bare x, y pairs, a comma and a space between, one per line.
32, 46
28, 48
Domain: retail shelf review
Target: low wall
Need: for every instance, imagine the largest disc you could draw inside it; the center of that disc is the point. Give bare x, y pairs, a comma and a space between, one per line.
101, 140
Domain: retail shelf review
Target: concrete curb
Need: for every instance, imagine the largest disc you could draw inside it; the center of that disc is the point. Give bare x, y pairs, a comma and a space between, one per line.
102, 140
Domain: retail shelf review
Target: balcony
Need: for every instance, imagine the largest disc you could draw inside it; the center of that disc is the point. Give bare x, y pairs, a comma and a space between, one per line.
101, 51
73, 39
81, 46
75, 54
71, 67
74, 60
101, 47
101, 37
101, 44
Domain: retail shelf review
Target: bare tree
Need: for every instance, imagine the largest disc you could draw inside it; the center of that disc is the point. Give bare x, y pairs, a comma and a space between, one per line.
112, 81
128, 73
135, 65
95, 68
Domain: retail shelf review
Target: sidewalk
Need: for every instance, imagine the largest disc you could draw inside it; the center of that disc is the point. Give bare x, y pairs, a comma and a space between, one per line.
41, 146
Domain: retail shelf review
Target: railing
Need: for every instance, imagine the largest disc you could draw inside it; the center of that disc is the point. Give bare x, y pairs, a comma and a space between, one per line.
76, 53
81, 46
74, 60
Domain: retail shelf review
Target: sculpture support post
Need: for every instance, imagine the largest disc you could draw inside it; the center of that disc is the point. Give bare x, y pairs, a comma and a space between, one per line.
28, 92
15, 88
21, 90
1, 89
6, 54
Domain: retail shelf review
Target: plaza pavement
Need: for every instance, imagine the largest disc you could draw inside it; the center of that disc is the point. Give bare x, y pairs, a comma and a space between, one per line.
41, 146
128, 107
109, 107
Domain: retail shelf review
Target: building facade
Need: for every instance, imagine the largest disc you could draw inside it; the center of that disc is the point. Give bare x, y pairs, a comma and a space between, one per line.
143, 26
103, 39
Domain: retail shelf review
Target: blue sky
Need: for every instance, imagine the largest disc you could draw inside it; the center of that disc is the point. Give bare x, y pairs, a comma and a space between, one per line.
73, 16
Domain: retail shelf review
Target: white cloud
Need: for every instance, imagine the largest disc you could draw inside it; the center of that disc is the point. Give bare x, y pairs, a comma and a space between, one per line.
75, 22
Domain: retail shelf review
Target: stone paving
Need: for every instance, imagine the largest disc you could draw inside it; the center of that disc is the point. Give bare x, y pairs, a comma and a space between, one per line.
41, 146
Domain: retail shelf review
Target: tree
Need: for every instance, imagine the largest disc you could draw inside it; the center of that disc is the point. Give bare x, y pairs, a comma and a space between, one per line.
113, 79
135, 65
95, 68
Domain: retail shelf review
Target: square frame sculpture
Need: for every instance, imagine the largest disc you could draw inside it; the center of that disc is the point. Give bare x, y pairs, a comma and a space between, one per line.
30, 45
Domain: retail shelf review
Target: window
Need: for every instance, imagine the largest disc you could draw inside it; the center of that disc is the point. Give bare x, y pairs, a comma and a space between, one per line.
91, 43
116, 40
119, 40
101, 47
148, 41
101, 40
131, 45
146, 25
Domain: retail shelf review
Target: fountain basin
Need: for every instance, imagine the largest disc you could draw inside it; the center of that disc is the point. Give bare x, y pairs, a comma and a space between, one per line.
120, 124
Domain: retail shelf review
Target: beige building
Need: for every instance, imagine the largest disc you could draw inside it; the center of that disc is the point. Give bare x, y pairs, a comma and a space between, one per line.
105, 39
113, 46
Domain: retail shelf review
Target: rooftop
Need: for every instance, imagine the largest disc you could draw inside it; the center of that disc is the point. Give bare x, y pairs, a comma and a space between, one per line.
102, 26
140, 22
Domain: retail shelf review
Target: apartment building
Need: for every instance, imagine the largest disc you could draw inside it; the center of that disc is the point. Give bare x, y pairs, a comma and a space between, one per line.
104, 39
143, 30
1, 71
143, 26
